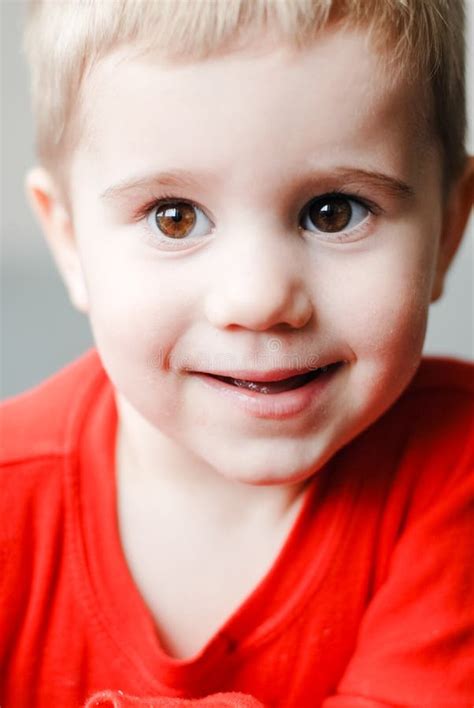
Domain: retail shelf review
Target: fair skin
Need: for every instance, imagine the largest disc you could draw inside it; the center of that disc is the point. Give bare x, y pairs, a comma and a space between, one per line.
264, 130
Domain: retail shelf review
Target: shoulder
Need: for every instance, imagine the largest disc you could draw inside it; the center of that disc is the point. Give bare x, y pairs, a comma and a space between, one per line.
435, 412
439, 402
39, 440
433, 423
422, 447
43, 421
446, 375
39, 431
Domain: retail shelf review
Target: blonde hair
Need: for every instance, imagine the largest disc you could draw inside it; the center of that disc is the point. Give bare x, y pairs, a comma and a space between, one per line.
64, 39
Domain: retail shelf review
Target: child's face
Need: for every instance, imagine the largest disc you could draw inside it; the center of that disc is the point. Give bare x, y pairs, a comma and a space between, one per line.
256, 280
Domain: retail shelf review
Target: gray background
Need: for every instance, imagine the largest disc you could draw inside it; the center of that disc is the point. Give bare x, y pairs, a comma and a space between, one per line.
40, 331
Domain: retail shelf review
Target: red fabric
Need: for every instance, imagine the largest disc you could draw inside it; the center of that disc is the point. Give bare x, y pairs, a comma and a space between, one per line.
368, 604
112, 699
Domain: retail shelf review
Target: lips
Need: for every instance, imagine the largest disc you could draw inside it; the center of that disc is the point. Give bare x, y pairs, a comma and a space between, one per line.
297, 393
273, 382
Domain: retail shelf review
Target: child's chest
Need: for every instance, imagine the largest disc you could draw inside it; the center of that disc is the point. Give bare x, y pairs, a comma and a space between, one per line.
192, 576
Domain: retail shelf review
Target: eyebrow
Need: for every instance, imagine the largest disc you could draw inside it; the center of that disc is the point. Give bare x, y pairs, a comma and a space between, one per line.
174, 178
392, 186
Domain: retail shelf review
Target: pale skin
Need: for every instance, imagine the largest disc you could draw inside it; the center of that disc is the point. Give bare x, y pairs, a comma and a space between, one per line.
265, 130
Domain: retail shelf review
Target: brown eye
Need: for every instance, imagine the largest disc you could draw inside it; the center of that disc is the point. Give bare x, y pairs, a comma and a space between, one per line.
175, 220
332, 214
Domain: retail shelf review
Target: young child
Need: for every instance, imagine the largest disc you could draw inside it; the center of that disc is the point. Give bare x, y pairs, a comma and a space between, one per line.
254, 492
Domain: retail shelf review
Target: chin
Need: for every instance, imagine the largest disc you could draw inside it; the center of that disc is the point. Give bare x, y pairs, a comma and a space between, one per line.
268, 474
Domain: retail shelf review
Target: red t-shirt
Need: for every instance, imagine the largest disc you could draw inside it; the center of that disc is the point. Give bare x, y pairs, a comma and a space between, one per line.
369, 603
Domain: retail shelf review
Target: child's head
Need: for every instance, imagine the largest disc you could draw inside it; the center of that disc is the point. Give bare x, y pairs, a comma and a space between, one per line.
308, 160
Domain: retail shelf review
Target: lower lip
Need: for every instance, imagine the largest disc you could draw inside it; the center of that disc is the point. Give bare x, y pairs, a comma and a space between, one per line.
276, 406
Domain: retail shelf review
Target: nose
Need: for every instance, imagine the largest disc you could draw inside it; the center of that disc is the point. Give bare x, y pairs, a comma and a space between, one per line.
260, 284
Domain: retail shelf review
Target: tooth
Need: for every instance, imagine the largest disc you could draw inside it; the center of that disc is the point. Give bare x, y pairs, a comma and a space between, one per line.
250, 385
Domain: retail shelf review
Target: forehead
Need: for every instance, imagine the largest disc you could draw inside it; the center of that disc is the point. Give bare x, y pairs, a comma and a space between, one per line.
258, 105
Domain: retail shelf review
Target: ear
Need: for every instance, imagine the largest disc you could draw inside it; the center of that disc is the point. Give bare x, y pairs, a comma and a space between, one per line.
43, 195
456, 215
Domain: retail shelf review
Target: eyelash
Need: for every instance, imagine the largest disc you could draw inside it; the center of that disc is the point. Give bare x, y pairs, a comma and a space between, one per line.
144, 211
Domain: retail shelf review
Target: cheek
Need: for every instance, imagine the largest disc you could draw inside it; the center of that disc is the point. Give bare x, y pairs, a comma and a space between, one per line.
390, 326
136, 337
137, 314
384, 298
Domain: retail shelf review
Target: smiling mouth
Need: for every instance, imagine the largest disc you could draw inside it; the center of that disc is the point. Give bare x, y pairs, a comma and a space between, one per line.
273, 387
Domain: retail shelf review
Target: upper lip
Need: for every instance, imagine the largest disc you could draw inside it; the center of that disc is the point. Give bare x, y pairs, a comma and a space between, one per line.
262, 376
